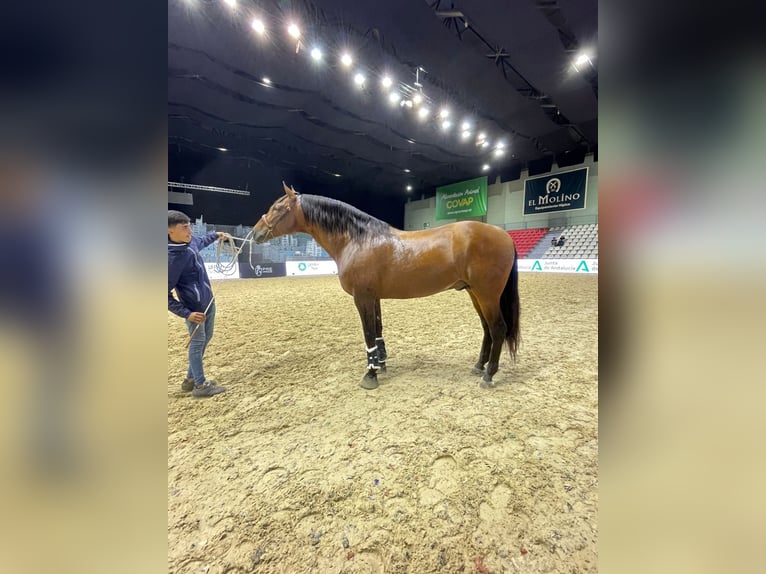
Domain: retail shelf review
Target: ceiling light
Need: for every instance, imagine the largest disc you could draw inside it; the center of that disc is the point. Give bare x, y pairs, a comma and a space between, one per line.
336, 174
443, 113
501, 144
267, 81
466, 126
581, 59
499, 151
386, 81
394, 97
417, 98
466, 134
423, 113
359, 79
258, 25
316, 53
222, 149
485, 167
294, 31
406, 170
346, 59
446, 125
409, 188
482, 136
485, 143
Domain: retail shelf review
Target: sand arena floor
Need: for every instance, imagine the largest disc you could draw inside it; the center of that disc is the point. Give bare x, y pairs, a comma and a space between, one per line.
297, 469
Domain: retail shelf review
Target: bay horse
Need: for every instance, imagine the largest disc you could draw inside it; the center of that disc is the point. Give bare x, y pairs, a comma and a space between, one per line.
376, 261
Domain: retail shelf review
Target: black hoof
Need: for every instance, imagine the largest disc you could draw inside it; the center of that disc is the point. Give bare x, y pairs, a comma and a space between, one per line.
369, 381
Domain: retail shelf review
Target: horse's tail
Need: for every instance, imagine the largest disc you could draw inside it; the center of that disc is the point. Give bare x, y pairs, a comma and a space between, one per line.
511, 309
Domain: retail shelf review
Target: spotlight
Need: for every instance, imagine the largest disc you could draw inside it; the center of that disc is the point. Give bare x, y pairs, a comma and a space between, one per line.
258, 25
466, 126
481, 136
266, 81
499, 151
406, 170
582, 59
359, 79
346, 59
294, 31
394, 97
446, 125
444, 113
386, 81
409, 188
417, 98
485, 167
222, 149
423, 113
466, 134
316, 53
485, 143
231, 3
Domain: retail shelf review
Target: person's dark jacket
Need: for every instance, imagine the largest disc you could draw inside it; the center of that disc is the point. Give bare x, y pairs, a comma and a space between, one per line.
188, 276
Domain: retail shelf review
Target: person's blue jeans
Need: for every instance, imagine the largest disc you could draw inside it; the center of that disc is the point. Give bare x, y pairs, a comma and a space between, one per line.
199, 344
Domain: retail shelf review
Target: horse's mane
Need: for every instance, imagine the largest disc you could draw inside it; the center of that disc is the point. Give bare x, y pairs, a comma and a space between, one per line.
337, 217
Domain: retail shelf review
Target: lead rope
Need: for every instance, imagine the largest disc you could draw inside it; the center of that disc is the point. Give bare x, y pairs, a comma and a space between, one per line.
222, 266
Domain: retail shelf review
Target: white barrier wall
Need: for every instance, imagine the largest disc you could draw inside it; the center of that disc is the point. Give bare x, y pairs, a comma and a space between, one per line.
296, 268
559, 265
310, 268
213, 274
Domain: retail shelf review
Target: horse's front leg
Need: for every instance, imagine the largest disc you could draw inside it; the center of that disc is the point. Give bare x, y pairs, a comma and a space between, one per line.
379, 342
366, 306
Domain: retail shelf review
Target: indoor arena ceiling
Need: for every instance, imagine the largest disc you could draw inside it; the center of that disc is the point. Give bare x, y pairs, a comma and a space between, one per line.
249, 105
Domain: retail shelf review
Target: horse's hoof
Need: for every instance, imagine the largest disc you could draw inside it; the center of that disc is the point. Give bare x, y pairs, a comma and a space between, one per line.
477, 371
382, 367
487, 384
369, 382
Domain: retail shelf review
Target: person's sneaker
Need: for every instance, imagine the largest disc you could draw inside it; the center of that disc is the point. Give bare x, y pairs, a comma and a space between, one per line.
187, 385
207, 389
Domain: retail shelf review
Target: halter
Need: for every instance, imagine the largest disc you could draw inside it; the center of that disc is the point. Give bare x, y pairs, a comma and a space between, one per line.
270, 225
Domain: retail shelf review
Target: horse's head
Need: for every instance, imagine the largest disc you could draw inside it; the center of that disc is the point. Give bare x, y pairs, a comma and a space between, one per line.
281, 219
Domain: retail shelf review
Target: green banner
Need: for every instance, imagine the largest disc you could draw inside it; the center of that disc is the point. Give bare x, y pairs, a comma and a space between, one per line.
464, 199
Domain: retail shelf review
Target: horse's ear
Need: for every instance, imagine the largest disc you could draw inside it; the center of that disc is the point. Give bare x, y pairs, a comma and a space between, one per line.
288, 191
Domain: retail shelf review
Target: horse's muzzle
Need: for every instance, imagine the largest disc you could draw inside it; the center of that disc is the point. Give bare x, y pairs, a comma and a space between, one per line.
260, 235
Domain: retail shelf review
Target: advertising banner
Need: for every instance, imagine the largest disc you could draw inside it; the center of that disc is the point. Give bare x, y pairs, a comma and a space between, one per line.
559, 192
261, 270
232, 273
559, 265
311, 268
464, 199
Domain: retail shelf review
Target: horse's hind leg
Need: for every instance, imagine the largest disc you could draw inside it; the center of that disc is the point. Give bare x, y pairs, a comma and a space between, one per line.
366, 307
486, 343
497, 329
379, 342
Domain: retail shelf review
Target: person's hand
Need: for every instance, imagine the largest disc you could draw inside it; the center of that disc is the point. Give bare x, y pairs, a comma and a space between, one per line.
197, 317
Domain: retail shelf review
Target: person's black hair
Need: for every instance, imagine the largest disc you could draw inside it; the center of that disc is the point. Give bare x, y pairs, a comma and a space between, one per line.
176, 217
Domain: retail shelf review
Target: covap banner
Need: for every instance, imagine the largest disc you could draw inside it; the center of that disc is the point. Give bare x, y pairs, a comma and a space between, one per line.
559, 192
464, 199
